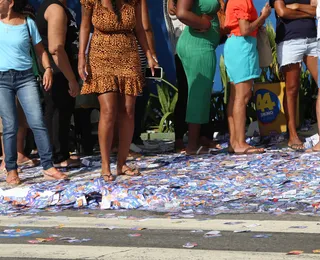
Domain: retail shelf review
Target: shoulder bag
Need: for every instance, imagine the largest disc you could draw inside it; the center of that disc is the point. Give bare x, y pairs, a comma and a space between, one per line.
264, 48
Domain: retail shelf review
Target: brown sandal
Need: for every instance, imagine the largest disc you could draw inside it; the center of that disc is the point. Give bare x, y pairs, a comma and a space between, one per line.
54, 177
108, 177
251, 148
15, 181
132, 170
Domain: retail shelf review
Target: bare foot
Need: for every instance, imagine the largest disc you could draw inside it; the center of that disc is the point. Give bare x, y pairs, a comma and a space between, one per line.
126, 170
3, 166
54, 174
247, 149
296, 144
70, 163
13, 178
106, 173
314, 149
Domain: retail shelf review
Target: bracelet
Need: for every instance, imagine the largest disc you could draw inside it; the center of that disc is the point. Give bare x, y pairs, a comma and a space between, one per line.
49, 68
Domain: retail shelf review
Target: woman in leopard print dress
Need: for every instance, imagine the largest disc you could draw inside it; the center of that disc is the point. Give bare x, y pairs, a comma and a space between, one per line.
113, 71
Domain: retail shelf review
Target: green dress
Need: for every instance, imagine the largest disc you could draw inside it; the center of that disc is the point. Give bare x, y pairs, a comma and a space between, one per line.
197, 53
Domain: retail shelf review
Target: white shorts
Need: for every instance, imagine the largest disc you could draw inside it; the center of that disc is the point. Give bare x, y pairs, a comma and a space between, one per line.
293, 51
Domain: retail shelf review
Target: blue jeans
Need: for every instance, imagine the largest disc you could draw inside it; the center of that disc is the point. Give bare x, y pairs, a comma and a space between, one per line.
23, 85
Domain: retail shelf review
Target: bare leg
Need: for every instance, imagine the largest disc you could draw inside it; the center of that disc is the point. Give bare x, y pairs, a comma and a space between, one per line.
194, 140
13, 178
230, 118
312, 65
22, 132
243, 92
292, 76
108, 111
3, 164
126, 108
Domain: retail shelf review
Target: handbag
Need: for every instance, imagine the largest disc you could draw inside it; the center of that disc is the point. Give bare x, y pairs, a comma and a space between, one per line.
35, 65
264, 48
224, 31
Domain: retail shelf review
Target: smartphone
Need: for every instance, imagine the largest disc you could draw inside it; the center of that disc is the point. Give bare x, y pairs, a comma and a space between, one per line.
158, 73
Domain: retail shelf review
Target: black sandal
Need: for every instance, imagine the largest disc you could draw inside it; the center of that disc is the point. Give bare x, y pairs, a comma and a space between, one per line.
108, 177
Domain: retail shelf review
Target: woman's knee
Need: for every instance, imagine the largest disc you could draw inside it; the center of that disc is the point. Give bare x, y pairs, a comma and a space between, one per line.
108, 114
128, 111
292, 88
10, 125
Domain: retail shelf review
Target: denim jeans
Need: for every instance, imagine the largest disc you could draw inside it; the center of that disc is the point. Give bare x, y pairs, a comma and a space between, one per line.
23, 85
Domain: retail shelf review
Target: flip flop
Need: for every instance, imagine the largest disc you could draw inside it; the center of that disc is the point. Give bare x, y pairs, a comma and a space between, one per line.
51, 177
29, 163
134, 170
297, 147
109, 177
73, 164
246, 151
198, 152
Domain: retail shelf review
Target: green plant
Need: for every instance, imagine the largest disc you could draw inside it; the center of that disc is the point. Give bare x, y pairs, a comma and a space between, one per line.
160, 108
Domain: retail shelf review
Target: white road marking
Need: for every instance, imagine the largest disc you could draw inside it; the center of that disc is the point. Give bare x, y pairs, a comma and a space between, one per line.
132, 253
306, 227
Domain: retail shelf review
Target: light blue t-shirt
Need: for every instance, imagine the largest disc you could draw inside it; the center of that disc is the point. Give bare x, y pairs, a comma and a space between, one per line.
15, 45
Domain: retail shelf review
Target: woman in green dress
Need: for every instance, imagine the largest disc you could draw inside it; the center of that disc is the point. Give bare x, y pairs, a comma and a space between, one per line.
196, 49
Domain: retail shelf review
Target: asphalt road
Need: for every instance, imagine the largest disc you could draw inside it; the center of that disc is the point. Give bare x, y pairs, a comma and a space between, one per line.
162, 237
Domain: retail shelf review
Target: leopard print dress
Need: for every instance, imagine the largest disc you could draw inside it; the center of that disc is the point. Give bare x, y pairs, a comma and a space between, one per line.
113, 58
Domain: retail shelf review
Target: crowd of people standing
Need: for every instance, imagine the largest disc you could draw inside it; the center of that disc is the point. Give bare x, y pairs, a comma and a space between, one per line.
109, 55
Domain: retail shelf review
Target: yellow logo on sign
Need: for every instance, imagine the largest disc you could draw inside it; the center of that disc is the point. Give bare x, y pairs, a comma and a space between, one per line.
264, 102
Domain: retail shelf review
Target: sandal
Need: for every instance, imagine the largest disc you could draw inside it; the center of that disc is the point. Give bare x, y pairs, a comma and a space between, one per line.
297, 147
108, 177
30, 163
15, 181
55, 176
199, 151
251, 148
69, 163
132, 170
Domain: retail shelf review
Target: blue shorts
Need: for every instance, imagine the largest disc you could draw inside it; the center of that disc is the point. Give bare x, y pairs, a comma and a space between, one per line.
241, 58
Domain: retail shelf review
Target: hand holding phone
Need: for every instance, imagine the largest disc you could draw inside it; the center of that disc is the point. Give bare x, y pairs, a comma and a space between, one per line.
158, 73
